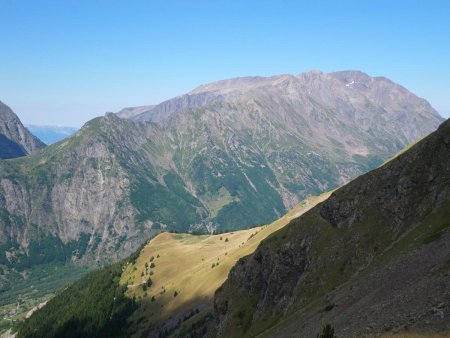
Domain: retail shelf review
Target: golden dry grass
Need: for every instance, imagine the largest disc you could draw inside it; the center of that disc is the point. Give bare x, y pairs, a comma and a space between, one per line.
185, 265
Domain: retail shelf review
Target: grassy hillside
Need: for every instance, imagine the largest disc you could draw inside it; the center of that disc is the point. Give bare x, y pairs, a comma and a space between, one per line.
185, 270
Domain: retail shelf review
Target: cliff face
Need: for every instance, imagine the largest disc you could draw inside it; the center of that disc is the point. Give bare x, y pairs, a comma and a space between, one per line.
15, 139
70, 199
228, 155
371, 258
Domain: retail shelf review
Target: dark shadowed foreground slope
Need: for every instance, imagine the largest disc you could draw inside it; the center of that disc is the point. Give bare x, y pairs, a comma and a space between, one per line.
373, 258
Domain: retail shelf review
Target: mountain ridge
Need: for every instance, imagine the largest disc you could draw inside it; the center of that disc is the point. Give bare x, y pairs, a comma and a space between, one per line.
216, 90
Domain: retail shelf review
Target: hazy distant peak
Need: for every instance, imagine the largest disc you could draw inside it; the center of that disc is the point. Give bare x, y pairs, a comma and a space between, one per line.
51, 134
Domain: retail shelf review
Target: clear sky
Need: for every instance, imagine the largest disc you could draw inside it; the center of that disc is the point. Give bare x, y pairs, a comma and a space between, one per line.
64, 62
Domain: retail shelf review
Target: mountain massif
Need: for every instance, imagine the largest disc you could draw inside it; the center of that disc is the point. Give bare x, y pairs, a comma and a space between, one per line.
371, 259
228, 155
15, 139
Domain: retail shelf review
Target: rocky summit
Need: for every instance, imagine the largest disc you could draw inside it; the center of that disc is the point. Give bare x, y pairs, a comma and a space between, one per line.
228, 155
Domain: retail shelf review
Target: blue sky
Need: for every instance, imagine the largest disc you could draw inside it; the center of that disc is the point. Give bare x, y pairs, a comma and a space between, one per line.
64, 62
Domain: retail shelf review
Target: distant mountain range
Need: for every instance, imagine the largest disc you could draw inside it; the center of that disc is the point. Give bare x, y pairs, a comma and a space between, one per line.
15, 139
228, 155
370, 260
51, 134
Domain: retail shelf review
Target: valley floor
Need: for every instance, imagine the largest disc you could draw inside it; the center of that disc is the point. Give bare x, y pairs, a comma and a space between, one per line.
20, 292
